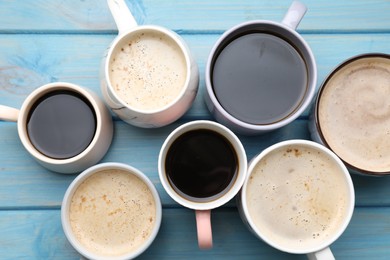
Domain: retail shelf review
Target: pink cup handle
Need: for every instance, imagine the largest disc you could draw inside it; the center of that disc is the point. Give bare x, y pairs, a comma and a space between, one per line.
203, 224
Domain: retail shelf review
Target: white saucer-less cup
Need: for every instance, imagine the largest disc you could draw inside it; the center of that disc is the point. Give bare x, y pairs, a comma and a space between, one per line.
298, 188
92, 154
112, 198
204, 206
160, 116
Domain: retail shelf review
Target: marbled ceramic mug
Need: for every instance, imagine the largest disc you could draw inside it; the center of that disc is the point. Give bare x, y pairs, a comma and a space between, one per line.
148, 76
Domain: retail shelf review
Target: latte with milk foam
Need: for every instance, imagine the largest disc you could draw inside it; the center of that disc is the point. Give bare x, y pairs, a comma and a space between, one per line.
297, 197
112, 213
149, 71
354, 113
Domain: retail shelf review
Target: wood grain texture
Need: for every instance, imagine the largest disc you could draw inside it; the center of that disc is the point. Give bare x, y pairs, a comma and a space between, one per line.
43, 237
29, 61
47, 41
192, 16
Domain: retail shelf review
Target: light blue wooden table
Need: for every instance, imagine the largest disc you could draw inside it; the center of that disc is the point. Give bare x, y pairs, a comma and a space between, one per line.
44, 41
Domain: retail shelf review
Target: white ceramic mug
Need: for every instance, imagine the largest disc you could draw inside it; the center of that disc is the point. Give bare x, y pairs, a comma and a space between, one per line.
351, 114
298, 197
138, 110
93, 151
231, 113
202, 155
103, 202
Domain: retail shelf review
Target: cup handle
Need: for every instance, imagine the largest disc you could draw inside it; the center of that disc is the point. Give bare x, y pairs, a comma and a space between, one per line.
324, 254
8, 113
294, 14
203, 225
124, 20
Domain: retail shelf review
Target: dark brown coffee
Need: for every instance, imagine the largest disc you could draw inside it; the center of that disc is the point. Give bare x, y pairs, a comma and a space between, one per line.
201, 165
259, 78
61, 124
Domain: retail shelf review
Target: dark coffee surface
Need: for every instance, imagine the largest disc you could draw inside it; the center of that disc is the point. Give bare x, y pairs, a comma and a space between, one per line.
259, 78
61, 124
201, 164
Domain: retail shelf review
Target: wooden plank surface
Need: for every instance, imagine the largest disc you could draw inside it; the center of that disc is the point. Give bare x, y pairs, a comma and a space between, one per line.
47, 41
43, 237
192, 16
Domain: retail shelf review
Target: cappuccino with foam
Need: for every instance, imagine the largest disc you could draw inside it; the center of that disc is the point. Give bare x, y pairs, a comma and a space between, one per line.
353, 113
298, 198
112, 213
149, 71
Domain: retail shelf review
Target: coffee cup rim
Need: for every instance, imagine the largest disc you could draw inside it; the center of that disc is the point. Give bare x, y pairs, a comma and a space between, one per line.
348, 179
311, 85
154, 28
241, 156
338, 67
30, 101
79, 180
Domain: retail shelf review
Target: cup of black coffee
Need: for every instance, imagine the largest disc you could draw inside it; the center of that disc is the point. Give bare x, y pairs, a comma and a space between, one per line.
261, 75
65, 127
202, 165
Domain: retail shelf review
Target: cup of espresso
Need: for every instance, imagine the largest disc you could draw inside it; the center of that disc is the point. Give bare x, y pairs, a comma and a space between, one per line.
148, 76
261, 75
351, 115
65, 127
111, 211
298, 197
202, 165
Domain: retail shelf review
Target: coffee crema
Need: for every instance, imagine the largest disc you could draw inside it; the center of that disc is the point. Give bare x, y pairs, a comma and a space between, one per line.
354, 113
112, 213
259, 78
149, 71
297, 197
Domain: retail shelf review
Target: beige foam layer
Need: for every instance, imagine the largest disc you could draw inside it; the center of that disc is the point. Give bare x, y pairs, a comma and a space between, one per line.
148, 72
112, 212
297, 197
354, 114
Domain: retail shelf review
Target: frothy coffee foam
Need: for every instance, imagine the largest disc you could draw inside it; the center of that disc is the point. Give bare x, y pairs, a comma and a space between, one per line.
297, 197
149, 71
112, 213
354, 114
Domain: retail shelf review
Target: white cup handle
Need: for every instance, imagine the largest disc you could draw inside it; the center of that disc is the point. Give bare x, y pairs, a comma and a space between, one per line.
324, 254
8, 113
294, 14
124, 20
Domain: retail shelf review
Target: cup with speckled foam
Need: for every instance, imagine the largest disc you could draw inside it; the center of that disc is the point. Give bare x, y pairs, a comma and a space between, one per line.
111, 211
148, 76
351, 115
297, 197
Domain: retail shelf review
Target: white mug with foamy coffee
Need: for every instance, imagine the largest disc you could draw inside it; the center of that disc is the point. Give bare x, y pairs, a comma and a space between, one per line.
148, 76
351, 115
111, 211
298, 197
